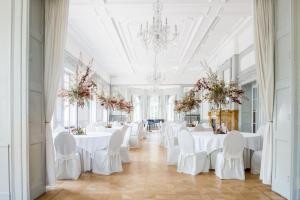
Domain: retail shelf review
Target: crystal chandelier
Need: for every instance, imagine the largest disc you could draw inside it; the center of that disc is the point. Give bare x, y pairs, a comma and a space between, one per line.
155, 76
158, 34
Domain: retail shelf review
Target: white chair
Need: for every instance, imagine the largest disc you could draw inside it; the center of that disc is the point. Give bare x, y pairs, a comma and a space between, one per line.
172, 147
141, 132
229, 163
163, 142
256, 157
134, 141
190, 161
67, 160
125, 145
108, 161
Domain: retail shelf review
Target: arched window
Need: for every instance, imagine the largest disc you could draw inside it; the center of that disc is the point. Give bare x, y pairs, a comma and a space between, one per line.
137, 109
154, 107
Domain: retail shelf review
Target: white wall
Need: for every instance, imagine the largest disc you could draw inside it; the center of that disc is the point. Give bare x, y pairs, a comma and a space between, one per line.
238, 42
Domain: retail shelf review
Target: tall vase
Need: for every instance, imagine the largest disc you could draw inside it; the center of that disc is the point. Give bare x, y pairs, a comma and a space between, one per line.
77, 121
107, 120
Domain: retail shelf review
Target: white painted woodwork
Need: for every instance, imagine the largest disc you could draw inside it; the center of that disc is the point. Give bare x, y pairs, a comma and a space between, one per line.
281, 176
37, 159
107, 31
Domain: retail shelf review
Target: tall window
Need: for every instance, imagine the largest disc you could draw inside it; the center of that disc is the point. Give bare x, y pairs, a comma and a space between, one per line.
154, 107
137, 109
69, 109
254, 108
170, 108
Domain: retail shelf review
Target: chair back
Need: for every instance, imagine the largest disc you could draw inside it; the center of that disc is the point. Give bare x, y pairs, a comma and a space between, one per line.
169, 136
65, 145
126, 137
124, 130
115, 142
186, 142
134, 130
233, 145
140, 127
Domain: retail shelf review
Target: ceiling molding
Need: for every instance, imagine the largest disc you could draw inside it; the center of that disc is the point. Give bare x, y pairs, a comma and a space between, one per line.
107, 30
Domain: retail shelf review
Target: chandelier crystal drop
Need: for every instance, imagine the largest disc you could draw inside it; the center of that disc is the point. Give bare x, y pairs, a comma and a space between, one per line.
157, 35
156, 77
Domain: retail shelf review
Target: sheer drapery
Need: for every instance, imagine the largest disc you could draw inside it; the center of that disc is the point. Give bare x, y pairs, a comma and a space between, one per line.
264, 44
56, 20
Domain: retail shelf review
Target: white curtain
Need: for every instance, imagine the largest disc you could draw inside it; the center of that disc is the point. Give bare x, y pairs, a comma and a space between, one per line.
56, 19
264, 44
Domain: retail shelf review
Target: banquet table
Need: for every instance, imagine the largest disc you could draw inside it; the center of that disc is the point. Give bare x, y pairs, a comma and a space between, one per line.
209, 142
89, 143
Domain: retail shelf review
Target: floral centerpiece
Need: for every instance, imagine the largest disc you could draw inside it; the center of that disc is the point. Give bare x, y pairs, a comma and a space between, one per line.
218, 93
109, 103
188, 103
124, 106
81, 90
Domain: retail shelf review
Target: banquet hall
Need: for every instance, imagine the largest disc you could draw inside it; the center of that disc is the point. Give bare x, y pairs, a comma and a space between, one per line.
150, 99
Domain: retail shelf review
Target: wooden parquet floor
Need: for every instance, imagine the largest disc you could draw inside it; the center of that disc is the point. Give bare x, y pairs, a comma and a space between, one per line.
148, 177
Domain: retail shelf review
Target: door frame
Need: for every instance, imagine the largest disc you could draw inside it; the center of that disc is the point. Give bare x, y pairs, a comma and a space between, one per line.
295, 165
19, 57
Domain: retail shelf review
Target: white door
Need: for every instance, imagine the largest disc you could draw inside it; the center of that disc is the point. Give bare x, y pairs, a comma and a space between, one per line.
37, 157
283, 101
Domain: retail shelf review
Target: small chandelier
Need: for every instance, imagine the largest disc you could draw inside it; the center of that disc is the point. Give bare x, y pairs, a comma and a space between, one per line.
156, 77
158, 35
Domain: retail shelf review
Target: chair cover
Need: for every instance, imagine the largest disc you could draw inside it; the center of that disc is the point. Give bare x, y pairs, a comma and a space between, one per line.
134, 141
67, 160
126, 130
108, 160
190, 161
229, 163
141, 132
163, 142
256, 157
172, 147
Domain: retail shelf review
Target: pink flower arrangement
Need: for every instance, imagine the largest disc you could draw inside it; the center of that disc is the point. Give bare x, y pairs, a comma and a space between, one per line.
188, 103
83, 85
113, 103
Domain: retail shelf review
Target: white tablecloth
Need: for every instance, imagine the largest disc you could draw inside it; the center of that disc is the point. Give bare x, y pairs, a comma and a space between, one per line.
209, 142
88, 144
93, 141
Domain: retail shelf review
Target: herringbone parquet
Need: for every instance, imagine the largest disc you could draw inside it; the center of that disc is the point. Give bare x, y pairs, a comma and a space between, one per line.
148, 177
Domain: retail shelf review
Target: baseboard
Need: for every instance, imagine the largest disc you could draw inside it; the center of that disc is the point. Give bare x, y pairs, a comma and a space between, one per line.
4, 196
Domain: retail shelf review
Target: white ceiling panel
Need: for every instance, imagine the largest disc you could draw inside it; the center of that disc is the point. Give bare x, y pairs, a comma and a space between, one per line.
108, 30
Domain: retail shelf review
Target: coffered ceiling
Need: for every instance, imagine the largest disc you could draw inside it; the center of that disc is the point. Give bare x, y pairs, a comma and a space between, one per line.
107, 30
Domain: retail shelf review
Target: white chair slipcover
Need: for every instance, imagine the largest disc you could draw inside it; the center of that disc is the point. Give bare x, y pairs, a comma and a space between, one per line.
162, 131
134, 140
256, 157
172, 147
229, 163
108, 160
125, 144
67, 160
190, 161
141, 132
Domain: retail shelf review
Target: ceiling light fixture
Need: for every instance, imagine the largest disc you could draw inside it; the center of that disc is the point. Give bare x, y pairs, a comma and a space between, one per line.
158, 35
